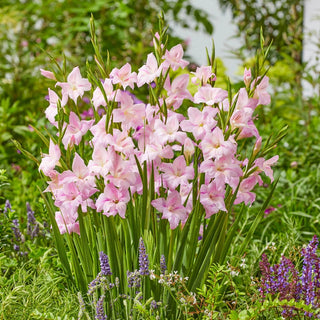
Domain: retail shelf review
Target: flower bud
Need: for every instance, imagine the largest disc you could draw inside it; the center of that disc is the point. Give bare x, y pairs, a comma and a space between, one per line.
257, 146
188, 149
247, 77
48, 74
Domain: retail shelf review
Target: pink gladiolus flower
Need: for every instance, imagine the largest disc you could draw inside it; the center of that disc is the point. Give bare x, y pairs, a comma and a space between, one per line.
173, 58
99, 164
243, 101
48, 74
66, 221
129, 114
212, 198
69, 195
49, 161
98, 98
242, 116
177, 173
124, 76
265, 166
121, 142
113, 201
74, 87
244, 193
52, 109
75, 130
171, 209
155, 150
261, 93
223, 170
214, 146
121, 172
210, 95
81, 175
99, 132
169, 132
149, 71
202, 75
177, 91
200, 122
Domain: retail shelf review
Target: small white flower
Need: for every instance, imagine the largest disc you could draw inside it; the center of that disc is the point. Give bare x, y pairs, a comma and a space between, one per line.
234, 273
243, 263
152, 275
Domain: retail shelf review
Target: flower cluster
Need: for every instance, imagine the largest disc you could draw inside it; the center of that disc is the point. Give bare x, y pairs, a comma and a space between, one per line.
125, 134
20, 236
284, 279
102, 280
101, 287
143, 259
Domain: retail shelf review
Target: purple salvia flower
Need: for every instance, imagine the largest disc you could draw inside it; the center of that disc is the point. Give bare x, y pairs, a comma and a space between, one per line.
153, 304
134, 279
265, 271
30, 214
308, 272
309, 258
104, 264
32, 224
100, 315
163, 266
283, 279
143, 260
93, 285
16, 230
7, 206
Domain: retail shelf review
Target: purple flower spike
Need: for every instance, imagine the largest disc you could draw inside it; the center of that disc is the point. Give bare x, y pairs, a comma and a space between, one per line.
100, 315
310, 260
283, 279
7, 206
104, 264
134, 279
16, 230
163, 266
143, 259
32, 224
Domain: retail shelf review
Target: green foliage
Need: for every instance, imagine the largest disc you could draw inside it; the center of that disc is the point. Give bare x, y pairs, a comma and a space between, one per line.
271, 309
3, 178
37, 291
281, 20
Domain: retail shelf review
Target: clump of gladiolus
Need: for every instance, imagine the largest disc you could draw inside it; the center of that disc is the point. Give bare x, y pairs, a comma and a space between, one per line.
95, 164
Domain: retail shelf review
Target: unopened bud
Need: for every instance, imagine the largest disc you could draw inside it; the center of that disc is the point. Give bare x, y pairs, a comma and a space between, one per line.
247, 77
257, 146
48, 74
188, 149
